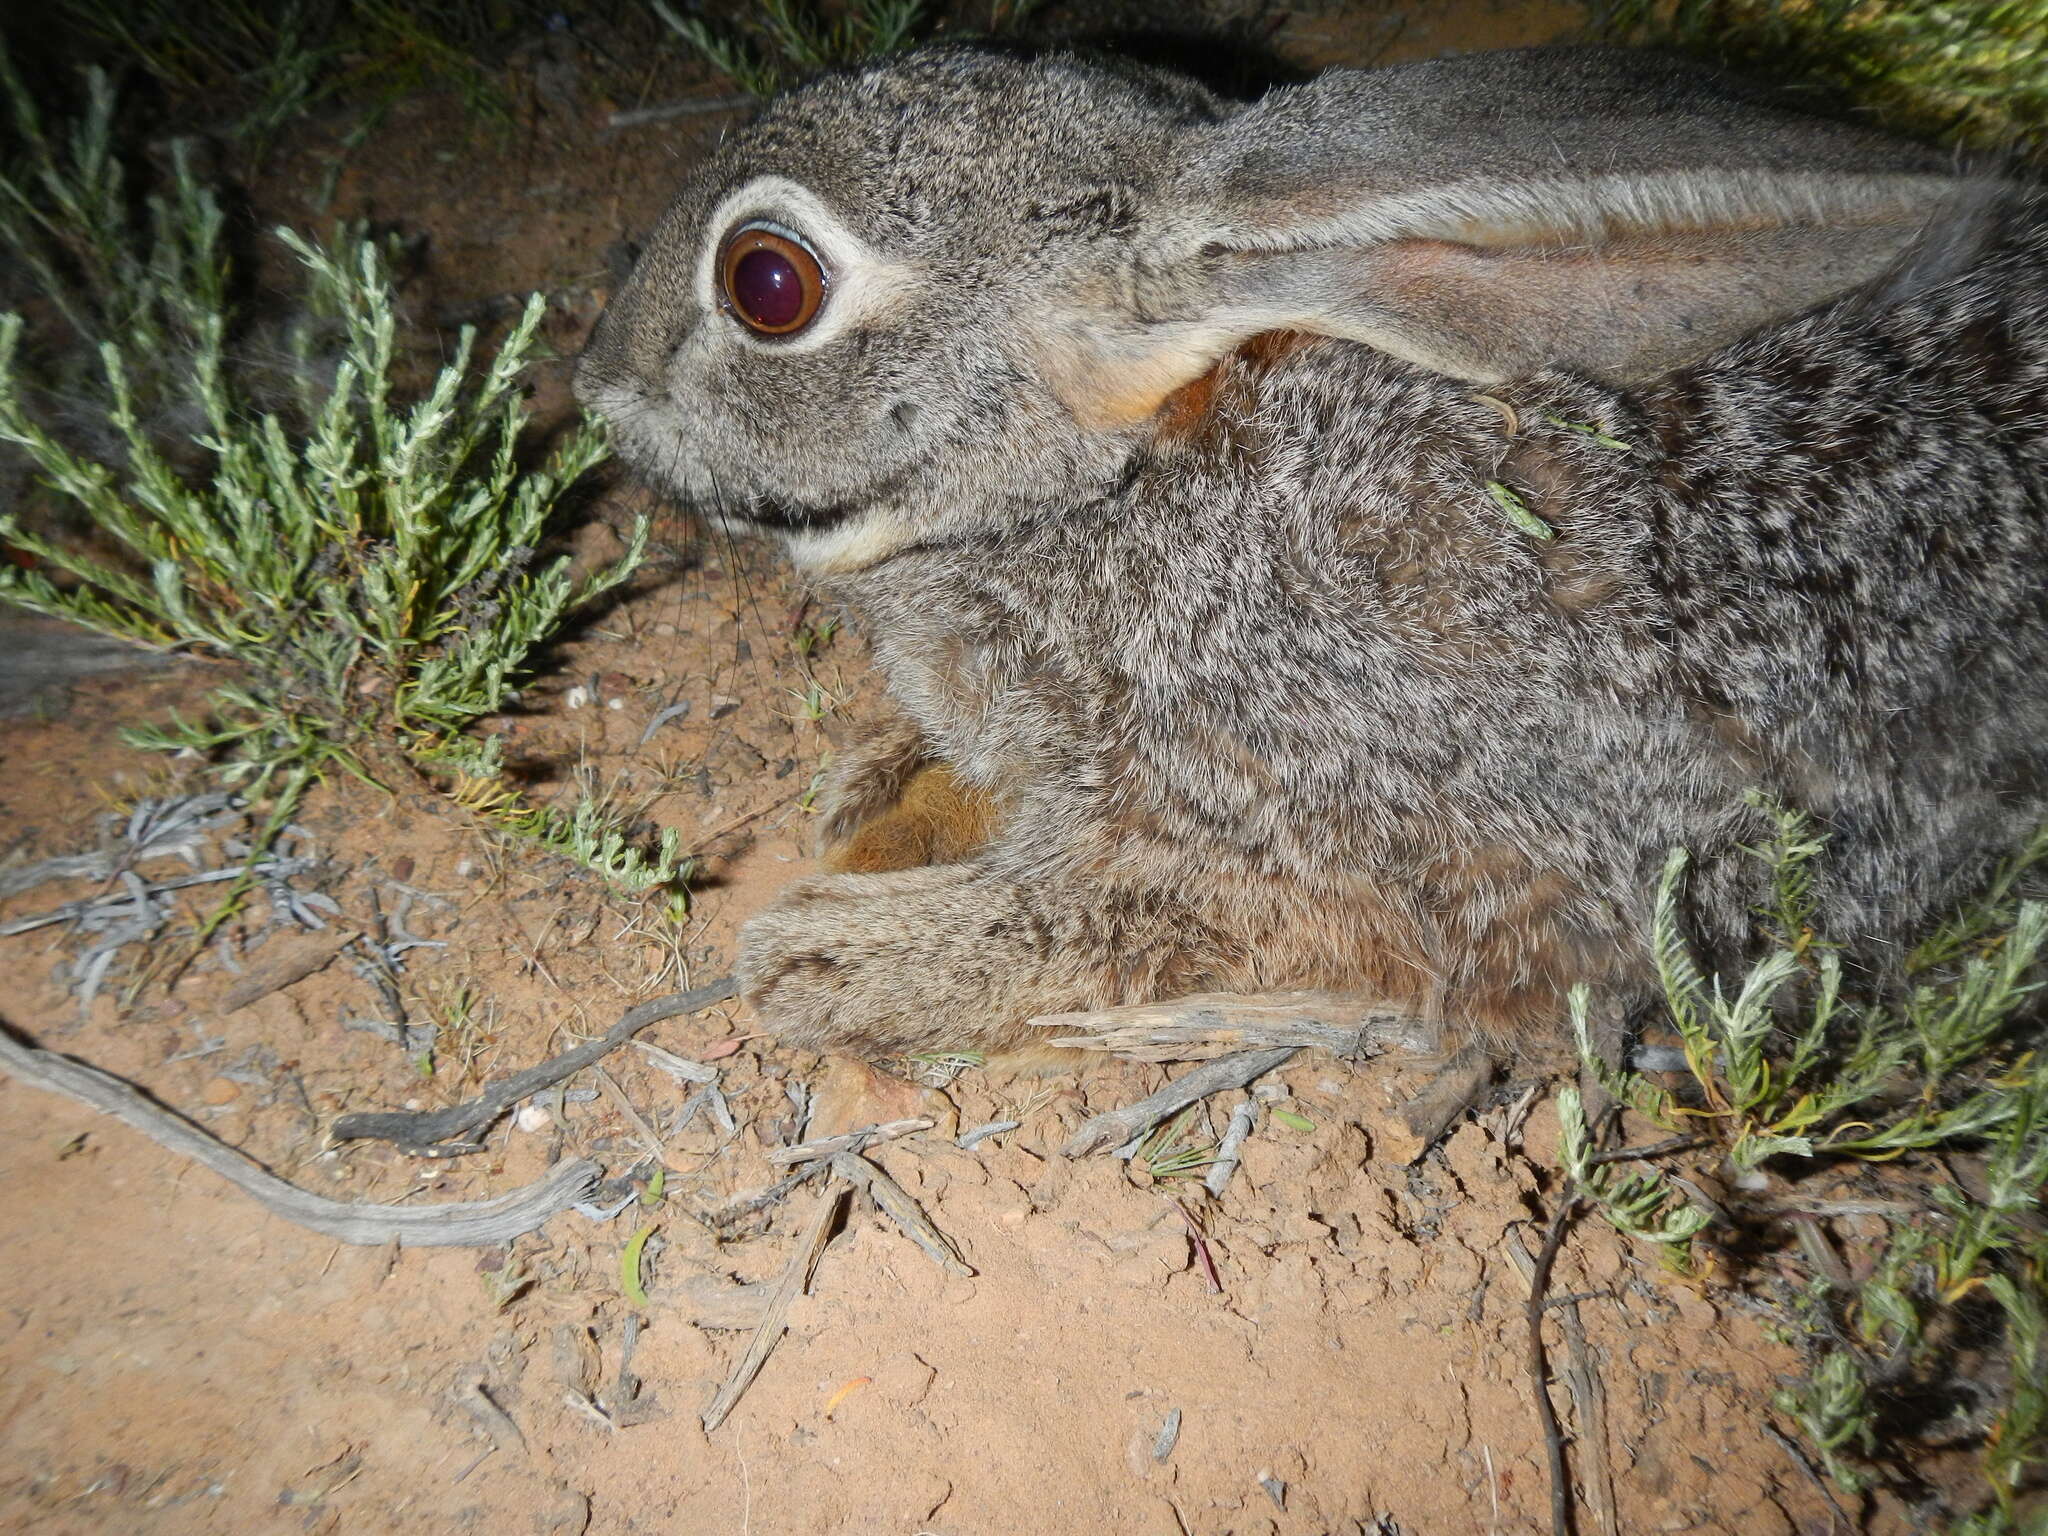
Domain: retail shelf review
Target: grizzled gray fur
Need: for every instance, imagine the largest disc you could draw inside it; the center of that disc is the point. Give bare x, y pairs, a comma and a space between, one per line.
1162, 442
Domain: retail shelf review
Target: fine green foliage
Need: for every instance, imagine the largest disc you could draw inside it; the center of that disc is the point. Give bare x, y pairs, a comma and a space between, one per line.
1641, 1205
145, 285
272, 62
369, 564
1173, 1151
589, 833
1830, 1084
1790, 1071
1831, 1406
786, 40
1975, 71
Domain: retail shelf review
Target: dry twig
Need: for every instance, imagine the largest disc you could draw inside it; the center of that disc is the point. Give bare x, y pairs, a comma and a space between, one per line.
504, 1431
1537, 1273
796, 1275
428, 1134
479, 1223
1455, 1088
894, 1202
1212, 1024
1118, 1126
851, 1141
632, 1116
284, 964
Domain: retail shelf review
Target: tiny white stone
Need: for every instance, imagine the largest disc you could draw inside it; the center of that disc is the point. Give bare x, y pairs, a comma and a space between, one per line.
576, 697
532, 1119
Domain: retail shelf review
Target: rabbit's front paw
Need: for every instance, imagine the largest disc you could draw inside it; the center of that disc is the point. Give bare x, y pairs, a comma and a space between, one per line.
880, 965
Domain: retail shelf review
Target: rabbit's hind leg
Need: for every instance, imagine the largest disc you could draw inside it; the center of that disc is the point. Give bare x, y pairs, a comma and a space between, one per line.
868, 777
935, 820
886, 803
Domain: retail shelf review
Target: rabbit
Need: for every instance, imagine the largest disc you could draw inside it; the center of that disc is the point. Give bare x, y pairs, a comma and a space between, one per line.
1347, 540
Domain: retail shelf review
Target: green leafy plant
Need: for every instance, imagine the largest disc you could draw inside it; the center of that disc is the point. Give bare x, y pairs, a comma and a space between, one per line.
788, 39
268, 63
1831, 1406
145, 285
1641, 1205
1787, 1071
369, 564
589, 833
1973, 70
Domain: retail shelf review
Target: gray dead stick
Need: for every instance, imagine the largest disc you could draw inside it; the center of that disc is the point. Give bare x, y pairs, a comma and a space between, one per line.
72, 909
1241, 1121
696, 106
472, 1223
1121, 1125
894, 1201
851, 1141
796, 1275
419, 1133
1455, 1088
1213, 1024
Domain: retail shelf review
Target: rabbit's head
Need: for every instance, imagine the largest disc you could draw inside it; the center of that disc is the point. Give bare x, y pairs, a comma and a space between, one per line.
964, 285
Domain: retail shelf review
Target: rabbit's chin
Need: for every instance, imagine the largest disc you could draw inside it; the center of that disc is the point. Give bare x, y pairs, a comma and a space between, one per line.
854, 545
848, 542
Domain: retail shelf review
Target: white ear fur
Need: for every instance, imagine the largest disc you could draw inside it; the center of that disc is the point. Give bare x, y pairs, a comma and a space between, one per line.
1113, 376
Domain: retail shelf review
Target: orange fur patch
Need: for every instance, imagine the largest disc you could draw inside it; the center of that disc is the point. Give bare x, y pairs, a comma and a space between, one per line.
1183, 411
938, 820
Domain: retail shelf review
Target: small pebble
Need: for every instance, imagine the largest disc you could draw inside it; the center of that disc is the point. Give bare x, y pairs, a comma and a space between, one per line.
220, 1090
532, 1119
1168, 1437
576, 697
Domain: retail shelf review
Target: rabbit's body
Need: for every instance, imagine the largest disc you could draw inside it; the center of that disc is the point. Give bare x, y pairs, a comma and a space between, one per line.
1276, 692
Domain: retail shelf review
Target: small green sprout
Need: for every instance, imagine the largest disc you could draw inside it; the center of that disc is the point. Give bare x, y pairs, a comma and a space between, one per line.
1518, 512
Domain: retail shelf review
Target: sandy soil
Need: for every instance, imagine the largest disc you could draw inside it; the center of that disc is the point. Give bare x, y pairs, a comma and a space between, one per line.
173, 1360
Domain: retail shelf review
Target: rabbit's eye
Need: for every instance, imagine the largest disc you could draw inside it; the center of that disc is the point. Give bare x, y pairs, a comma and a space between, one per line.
773, 283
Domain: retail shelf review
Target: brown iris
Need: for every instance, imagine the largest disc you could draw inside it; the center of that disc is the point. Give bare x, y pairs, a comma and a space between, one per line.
770, 281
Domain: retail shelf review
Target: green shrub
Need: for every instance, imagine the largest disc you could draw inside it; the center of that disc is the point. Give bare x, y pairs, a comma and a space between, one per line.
789, 39
371, 565
1972, 70
1789, 1072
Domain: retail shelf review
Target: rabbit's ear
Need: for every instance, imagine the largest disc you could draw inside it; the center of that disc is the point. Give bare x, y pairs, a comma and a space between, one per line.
1484, 217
